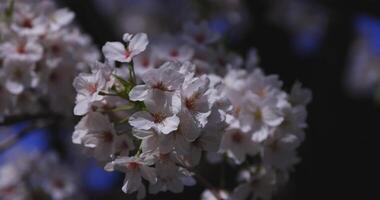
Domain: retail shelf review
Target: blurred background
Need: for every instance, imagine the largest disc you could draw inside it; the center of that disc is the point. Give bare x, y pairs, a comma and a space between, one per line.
331, 46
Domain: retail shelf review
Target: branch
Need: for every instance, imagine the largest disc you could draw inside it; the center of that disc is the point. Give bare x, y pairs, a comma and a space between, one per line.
13, 139
9, 120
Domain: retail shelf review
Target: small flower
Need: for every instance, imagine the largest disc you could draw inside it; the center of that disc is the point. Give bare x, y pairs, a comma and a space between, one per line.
19, 75
134, 168
88, 87
160, 115
237, 145
165, 79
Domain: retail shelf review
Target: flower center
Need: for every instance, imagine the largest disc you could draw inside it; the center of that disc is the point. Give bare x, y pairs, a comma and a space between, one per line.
27, 23
145, 62
200, 38
58, 183
160, 85
55, 49
157, 117
258, 114
127, 53
107, 137
21, 49
191, 101
174, 53
92, 88
237, 137
133, 165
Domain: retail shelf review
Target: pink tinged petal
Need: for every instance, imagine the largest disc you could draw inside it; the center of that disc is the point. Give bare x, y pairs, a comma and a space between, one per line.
139, 93
271, 116
115, 51
141, 120
149, 174
169, 124
138, 43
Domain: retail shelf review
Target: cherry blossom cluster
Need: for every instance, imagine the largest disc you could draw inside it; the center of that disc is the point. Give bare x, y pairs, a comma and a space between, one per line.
158, 112
37, 176
40, 52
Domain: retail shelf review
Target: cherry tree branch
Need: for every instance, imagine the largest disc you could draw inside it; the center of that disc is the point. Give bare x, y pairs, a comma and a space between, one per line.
9, 120
14, 138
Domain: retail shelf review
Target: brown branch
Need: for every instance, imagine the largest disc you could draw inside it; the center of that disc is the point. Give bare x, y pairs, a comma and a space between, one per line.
13, 139
9, 120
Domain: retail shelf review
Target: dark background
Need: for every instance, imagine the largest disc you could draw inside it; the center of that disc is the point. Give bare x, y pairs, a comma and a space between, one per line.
341, 147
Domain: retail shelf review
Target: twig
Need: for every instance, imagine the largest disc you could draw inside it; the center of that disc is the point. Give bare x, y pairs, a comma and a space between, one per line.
13, 139
9, 120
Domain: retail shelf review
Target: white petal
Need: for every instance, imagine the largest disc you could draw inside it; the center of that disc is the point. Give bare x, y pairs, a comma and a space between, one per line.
127, 37
149, 174
139, 93
114, 51
141, 120
14, 87
271, 116
169, 124
138, 43
82, 107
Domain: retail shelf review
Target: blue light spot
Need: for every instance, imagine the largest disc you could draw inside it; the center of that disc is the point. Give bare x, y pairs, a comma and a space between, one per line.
369, 28
219, 25
97, 179
306, 43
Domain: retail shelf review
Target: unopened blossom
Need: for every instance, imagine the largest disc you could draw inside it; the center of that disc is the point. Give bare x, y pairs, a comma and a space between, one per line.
117, 51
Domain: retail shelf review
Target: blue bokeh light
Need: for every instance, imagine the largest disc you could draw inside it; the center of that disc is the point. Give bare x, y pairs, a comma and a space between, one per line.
369, 28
